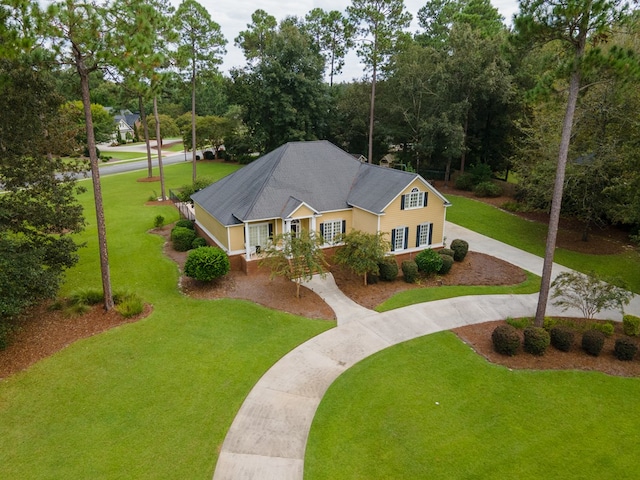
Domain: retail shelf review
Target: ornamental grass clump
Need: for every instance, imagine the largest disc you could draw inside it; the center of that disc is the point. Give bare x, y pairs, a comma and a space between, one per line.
206, 264
536, 340
631, 325
428, 261
625, 349
592, 342
506, 339
460, 249
562, 338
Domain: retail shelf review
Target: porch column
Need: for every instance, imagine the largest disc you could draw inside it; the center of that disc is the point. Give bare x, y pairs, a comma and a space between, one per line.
287, 226
312, 226
247, 246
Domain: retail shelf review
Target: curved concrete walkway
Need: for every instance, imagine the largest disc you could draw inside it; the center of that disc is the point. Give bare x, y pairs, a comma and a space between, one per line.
268, 437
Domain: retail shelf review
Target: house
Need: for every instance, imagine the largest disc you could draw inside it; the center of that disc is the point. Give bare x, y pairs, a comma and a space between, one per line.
125, 124
318, 187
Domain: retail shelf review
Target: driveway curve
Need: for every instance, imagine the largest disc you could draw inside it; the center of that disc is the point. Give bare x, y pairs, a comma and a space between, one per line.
268, 436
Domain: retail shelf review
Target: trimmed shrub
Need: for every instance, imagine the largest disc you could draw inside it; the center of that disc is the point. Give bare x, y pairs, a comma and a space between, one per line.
388, 269
182, 238
592, 342
487, 189
446, 251
460, 249
447, 263
606, 328
631, 325
158, 221
183, 222
625, 349
409, 271
429, 261
465, 182
562, 338
536, 340
206, 264
198, 242
506, 339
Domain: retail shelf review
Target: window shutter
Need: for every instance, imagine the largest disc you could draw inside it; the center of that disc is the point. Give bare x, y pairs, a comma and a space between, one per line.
322, 229
402, 202
271, 230
393, 239
430, 232
426, 198
406, 237
418, 232
344, 226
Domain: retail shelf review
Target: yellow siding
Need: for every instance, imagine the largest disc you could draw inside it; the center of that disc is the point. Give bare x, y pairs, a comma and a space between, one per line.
364, 221
212, 225
328, 217
432, 213
302, 211
236, 234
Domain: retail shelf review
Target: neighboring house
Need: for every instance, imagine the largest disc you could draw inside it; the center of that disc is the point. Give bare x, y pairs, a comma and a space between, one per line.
318, 187
125, 123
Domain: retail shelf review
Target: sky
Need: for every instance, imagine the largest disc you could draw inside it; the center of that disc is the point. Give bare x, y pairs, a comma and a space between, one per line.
234, 15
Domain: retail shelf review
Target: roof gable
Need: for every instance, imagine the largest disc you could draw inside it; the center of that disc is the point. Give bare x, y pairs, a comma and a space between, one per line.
306, 177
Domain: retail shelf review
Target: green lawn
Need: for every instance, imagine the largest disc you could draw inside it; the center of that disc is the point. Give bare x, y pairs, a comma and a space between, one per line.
152, 399
117, 155
432, 408
421, 295
531, 237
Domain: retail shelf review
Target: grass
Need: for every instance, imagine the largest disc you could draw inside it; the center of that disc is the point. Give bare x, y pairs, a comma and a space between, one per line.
147, 400
421, 295
432, 408
531, 237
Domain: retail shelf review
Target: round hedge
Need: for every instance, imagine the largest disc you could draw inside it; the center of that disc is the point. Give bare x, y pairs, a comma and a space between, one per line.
428, 261
506, 339
388, 269
198, 242
592, 342
182, 238
185, 223
625, 349
447, 263
206, 264
460, 249
536, 340
561, 338
409, 271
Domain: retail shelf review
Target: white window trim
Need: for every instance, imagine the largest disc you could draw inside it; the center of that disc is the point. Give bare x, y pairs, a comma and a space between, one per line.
336, 230
424, 230
395, 243
254, 226
416, 195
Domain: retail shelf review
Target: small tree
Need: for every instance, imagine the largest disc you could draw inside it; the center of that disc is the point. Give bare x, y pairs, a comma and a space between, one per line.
296, 257
362, 252
589, 293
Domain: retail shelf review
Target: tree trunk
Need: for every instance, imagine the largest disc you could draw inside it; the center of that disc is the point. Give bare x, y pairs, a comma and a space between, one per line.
97, 191
193, 119
554, 219
145, 126
463, 157
372, 109
159, 147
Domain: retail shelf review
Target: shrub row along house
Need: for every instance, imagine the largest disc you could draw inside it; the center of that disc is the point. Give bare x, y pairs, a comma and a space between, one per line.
318, 187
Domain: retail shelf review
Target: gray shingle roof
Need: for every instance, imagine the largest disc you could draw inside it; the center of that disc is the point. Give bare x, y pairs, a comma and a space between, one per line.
317, 173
